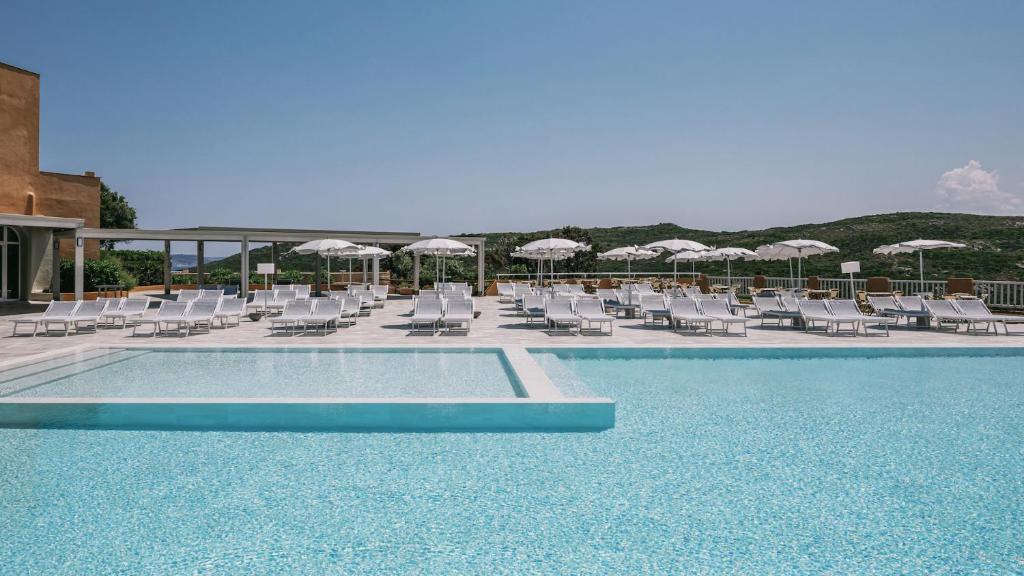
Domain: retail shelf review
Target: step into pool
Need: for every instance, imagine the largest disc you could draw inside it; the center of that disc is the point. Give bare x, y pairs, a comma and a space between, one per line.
290, 389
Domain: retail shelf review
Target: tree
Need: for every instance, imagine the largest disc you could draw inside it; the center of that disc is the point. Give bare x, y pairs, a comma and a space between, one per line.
115, 212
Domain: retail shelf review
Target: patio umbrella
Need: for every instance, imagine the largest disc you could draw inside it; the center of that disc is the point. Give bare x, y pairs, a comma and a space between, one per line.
918, 246
551, 249
367, 252
325, 247
540, 257
629, 254
767, 252
687, 256
729, 254
439, 248
675, 246
798, 249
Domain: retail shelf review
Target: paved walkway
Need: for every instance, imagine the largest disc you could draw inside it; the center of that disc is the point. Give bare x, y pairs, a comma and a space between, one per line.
497, 325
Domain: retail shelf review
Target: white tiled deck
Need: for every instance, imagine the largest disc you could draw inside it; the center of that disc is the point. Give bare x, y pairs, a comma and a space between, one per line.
497, 326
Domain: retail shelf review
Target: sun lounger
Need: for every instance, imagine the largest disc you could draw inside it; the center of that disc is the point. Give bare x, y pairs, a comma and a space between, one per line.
945, 312
735, 305
260, 303
211, 293
201, 315
686, 313
55, 310
533, 308
88, 315
719, 310
506, 292
977, 309
653, 308
771, 308
559, 313
230, 308
458, 314
294, 315
326, 313
130, 311
349, 310
591, 311
281, 300
169, 314
428, 312
850, 308
188, 295
380, 294
814, 312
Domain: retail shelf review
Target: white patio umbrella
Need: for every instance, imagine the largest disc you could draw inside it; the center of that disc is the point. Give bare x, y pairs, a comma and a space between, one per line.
439, 248
798, 249
676, 246
326, 247
629, 254
367, 253
768, 252
687, 256
729, 254
918, 246
540, 257
551, 249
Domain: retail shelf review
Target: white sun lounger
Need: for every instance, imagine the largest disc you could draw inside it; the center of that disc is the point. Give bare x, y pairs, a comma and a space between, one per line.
293, 316
56, 311
87, 315
458, 315
591, 311
281, 300
945, 312
188, 295
770, 307
349, 310
533, 308
653, 308
326, 313
129, 311
428, 312
685, 313
978, 309
380, 294
169, 313
816, 312
201, 315
559, 313
506, 292
230, 308
719, 310
850, 308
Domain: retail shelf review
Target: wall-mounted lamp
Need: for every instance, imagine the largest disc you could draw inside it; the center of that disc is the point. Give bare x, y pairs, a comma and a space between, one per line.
79, 241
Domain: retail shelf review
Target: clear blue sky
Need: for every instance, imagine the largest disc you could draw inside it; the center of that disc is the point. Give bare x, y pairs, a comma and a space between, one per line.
447, 117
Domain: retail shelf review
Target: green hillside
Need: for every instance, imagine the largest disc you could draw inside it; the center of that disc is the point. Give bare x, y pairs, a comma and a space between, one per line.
995, 248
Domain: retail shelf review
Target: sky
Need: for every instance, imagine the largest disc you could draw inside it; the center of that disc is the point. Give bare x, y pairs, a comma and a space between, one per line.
463, 117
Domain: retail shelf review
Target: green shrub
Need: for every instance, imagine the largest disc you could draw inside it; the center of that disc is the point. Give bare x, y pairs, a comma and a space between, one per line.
96, 272
147, 266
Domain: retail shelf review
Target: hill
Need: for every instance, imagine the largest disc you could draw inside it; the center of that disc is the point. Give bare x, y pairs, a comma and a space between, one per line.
995, 247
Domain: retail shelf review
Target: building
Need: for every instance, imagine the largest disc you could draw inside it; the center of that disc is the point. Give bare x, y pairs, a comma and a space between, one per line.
35, 204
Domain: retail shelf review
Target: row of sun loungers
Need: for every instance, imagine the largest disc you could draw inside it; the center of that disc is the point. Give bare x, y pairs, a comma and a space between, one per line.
435, 313
325, 313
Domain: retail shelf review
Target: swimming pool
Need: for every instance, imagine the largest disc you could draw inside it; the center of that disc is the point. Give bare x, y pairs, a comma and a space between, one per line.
783, 462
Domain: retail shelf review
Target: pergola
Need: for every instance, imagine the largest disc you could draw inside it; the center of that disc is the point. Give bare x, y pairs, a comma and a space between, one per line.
245, 236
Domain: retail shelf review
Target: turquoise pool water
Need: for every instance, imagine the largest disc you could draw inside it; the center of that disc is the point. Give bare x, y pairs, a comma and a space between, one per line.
720, 462
260, 373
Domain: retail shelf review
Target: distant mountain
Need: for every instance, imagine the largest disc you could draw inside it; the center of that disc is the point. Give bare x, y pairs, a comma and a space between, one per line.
995, 247
186, 261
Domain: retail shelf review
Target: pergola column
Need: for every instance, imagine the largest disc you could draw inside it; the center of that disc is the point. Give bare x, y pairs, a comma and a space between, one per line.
480, 268
79, 267
55, 277
200, 263
167, 267
376, 267
244, 263
274, 258
316, 275
416, 271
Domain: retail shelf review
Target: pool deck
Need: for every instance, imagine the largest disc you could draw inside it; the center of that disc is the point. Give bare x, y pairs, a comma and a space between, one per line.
497, 326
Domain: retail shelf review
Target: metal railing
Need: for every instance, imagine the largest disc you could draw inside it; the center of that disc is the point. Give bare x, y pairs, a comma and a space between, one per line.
997, 293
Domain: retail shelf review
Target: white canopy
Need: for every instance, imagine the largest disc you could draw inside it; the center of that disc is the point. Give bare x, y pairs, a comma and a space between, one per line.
729, 254
440, 248
327, 246
677, 246
550, 249
627, 253
795, 249
918, 246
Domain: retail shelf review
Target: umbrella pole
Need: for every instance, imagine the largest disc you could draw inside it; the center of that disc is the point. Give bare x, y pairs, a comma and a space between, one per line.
728, 275
675, 271
791, 281
920, 267
328, 272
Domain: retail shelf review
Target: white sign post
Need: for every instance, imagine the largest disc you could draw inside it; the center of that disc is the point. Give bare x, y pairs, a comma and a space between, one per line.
851, 268
266, 269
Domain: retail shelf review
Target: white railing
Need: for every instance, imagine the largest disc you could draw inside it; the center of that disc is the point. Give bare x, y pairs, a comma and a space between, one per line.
997, 293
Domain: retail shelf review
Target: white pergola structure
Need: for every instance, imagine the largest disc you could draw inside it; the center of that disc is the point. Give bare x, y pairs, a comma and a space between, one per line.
244, 237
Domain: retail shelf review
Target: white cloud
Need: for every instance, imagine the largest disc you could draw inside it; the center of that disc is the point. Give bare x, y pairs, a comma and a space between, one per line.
975, 190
